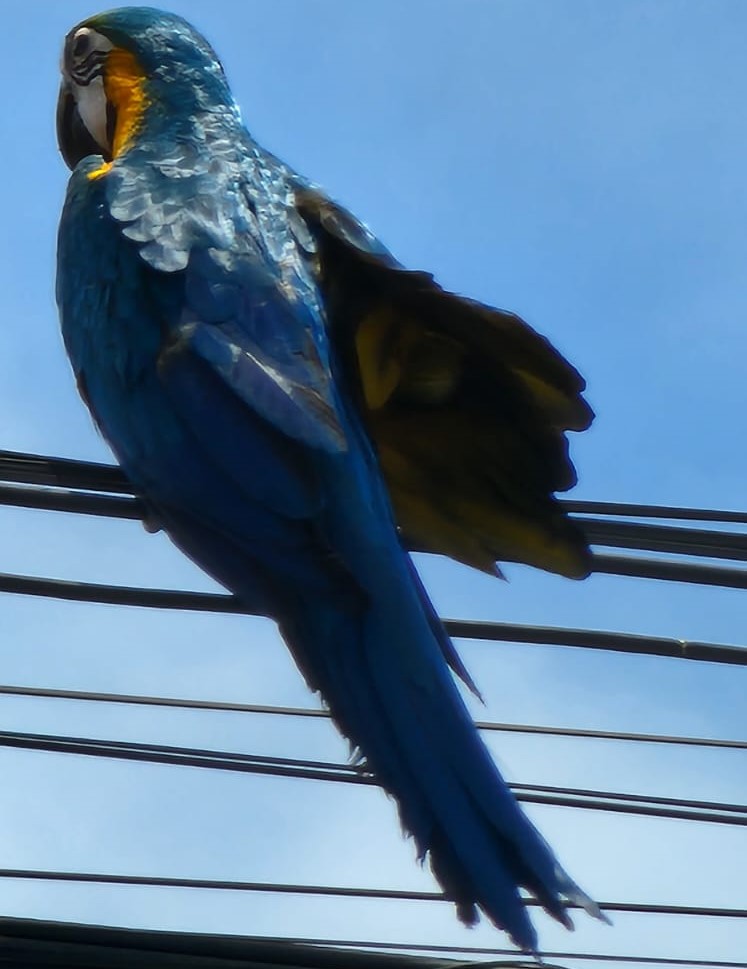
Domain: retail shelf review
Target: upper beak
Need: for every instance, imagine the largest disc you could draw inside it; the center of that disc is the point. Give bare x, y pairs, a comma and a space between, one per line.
73, 138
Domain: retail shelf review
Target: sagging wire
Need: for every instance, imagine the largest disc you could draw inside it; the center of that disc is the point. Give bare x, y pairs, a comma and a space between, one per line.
273, 710
669, 808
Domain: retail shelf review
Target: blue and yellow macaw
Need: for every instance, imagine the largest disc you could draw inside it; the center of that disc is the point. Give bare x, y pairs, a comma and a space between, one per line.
283, 394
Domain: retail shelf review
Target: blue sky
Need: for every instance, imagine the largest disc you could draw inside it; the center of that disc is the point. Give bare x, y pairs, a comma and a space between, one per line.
580, 163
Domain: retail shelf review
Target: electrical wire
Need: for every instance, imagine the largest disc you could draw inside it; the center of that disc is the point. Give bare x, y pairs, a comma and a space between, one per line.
76, 502
338, 891
485, 951
622, 509
271, 710
668, 808
101, 490
595, 639
631, 535
664, 538
666, 571
465, 629
83, 941
42, 469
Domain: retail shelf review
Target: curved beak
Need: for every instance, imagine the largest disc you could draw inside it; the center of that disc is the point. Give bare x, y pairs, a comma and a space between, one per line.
73, 138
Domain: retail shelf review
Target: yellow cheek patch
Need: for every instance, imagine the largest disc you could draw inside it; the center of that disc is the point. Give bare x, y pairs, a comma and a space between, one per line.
124, 85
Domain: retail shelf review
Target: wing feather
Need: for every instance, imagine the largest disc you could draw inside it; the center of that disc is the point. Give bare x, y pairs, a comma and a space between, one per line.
468, 405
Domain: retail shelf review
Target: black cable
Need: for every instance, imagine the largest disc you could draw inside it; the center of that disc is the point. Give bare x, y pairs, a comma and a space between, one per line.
78, 939
630, 535
690, 572
64, 473
594, 639
119, 595
187, 757
484, 950
665, 538
615, 801
465, 629
623, 509
106, 480
77, 502
93, 476
39, 469
729, 807
337, 891
259, 708
625, 535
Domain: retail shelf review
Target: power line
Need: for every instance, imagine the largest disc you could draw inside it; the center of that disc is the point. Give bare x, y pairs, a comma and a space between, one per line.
466, 629
76, 502
272, 710
663, 570
86, 940
594, 639
623, 509
120, 595
337, 891
739, 809
95, 489
631, 535
302, 769
296, 768
484, 950
665, 538
39, 469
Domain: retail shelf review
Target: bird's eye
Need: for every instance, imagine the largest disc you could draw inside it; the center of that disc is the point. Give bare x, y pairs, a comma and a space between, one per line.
81, 44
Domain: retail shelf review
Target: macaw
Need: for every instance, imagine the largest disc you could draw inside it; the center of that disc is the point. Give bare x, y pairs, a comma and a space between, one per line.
282, 393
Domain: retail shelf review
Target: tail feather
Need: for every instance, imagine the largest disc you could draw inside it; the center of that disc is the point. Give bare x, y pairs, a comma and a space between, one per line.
384, 680
340, 675
470, 862
442, 637
382, 713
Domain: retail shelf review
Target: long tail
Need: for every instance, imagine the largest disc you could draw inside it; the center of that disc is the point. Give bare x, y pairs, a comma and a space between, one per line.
382, 673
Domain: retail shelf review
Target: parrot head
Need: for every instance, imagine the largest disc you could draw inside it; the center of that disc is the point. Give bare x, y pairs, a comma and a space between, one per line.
129, 67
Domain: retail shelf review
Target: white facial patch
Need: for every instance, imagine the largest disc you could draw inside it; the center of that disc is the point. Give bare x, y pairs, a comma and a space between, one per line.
84, 57
91, 101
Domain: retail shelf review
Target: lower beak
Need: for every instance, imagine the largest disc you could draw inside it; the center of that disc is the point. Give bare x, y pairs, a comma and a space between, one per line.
73, 138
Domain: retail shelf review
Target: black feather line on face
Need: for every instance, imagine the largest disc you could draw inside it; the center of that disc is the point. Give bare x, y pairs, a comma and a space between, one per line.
88, 69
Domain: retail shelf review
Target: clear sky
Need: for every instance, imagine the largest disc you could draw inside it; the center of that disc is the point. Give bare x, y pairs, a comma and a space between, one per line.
581, 163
